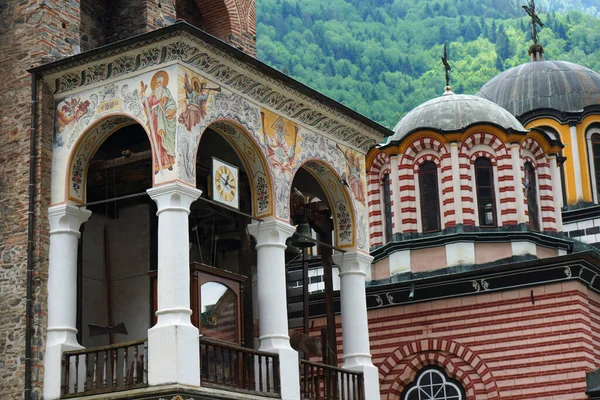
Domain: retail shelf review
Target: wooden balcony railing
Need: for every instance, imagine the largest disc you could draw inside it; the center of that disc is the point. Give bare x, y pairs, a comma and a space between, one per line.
111, 368
319, 381
236, 368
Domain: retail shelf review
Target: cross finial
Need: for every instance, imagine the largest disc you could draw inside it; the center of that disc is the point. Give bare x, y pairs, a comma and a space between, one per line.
446, 65
535, 20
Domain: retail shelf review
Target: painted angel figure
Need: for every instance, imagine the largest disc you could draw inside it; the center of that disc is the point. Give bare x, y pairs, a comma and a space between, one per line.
160, 109
194, 107
353, 175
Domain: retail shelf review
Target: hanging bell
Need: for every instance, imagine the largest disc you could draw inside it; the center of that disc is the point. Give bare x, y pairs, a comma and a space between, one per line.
302, 238
291, 250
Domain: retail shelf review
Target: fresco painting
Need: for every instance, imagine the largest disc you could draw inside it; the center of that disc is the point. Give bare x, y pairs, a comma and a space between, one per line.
160, 109
175, 105
202, 103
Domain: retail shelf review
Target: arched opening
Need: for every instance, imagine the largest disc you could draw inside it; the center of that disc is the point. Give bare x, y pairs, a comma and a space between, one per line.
317, 209
433, 383
531, 193
429, 197
486, 198
118, 244
221, 249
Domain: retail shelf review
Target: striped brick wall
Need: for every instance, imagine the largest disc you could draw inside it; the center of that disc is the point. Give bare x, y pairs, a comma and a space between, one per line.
406, 170
498, 346
532, 152
376, 223
489, 146
448, 212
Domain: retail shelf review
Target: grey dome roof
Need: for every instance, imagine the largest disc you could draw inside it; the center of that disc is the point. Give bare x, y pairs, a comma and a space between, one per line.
453, 113
558, 85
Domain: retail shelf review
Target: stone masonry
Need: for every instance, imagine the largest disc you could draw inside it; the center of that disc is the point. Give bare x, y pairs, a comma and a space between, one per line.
35, 32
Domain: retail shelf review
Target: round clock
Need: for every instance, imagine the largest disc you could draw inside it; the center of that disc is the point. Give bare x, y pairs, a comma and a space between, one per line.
225, 183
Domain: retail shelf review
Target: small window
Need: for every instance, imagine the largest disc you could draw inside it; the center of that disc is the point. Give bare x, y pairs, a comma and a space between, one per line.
387, 207
486, 199
428, 191
596, 156
531, 193
433, 384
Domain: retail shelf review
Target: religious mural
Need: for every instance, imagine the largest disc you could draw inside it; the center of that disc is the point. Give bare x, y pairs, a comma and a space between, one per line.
146, 99
203, 104
176, 105
160, 109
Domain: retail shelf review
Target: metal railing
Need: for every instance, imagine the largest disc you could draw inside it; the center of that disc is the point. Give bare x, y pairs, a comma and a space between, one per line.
231, 367
103, 369
319, 381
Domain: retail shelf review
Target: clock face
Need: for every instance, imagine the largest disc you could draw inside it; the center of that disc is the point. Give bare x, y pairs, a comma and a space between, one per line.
225, 182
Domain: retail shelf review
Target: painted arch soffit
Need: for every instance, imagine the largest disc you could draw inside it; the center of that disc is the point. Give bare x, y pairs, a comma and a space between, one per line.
222, 69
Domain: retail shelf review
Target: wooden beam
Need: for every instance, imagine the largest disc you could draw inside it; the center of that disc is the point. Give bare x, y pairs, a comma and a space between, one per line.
129, 158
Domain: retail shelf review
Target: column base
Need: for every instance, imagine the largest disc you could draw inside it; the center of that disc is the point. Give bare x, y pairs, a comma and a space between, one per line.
370, 377
289, 371
173, 355
53, 367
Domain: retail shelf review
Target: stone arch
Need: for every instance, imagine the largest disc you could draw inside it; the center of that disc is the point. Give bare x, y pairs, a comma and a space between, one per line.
86, 146
424, 158
417, 362
534, 147
220, 18
485, 154
339, 199
253, 159
381, 164
430, 352
485, 139
419, 145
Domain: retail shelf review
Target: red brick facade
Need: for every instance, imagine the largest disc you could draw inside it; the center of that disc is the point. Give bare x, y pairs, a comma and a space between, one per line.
497, 346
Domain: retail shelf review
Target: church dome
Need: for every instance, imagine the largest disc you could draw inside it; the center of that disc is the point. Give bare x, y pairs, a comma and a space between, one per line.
454, 113
557, 85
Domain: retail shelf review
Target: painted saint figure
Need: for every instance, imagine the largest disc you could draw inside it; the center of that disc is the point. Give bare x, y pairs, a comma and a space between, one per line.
194, 107
280, 152
160, 109
353, 174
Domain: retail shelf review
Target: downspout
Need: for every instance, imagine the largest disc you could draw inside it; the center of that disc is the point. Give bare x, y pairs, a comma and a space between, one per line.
30, 231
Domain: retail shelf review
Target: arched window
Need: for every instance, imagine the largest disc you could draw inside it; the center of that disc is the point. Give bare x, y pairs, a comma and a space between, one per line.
433, 384
486, 200
532, 199
428, 191
596, 157
387, 207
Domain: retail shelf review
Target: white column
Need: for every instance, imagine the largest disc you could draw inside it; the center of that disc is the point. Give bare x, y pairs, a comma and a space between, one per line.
65, 221
576, 162
515, 159
556, 191
173, 346
355, 323
395, 182
456, 183
272, 300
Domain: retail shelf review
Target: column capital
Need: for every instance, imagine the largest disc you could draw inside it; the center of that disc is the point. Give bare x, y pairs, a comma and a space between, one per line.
271, 232
67, 218
353, 263
174, 196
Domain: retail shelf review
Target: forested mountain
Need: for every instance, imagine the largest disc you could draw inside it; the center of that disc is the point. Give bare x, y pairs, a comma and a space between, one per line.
382, 57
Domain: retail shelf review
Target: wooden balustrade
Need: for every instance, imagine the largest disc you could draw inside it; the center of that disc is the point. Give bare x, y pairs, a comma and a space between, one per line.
230, 367
105, 369
319, 381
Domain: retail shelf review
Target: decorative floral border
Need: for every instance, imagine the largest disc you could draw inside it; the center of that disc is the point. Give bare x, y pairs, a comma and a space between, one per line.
224, 69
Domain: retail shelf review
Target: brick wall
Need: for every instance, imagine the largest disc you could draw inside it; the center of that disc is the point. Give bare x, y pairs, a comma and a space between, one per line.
498, 346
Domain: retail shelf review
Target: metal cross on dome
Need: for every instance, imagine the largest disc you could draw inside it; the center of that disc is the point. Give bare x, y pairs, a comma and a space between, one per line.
446, 65
535, 20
